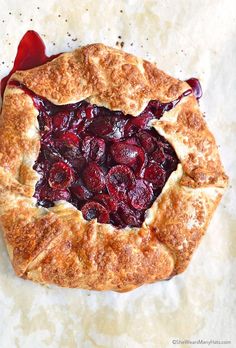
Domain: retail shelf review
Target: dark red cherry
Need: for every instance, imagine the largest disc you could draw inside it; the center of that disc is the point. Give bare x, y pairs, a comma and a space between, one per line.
140, 163
108, 127
107, 201
93, 177
80, 113
81, 127
119, 180
60, 175
50, 194
171, 162
67, 138
137, 123
129, 154
94, 210
78, 163
70, 153
60, 121
50, 153
116, 220
147, 140
158, 155
162, 144
128, 215
155, 174
141, 195
89, 111
93, 148
81, 192
77, 123
195, 86
124, 153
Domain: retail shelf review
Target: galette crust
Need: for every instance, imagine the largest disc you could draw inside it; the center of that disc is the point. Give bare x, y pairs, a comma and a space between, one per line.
57, 245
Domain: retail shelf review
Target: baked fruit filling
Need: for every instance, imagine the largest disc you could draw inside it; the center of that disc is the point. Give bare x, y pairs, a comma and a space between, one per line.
109, 165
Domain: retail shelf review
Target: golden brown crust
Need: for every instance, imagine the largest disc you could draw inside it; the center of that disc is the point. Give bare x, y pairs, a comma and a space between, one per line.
57, 245
103, 75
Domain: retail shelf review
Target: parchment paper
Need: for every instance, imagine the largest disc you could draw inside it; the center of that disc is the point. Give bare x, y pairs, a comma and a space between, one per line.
187, 38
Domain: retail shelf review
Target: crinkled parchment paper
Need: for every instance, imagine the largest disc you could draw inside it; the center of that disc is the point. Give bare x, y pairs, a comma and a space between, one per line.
187, 38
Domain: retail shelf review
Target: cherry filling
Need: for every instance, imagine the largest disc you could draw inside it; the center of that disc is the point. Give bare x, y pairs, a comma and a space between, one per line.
109, 165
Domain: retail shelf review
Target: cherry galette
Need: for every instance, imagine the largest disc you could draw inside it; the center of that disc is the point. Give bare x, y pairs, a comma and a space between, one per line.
109, 175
